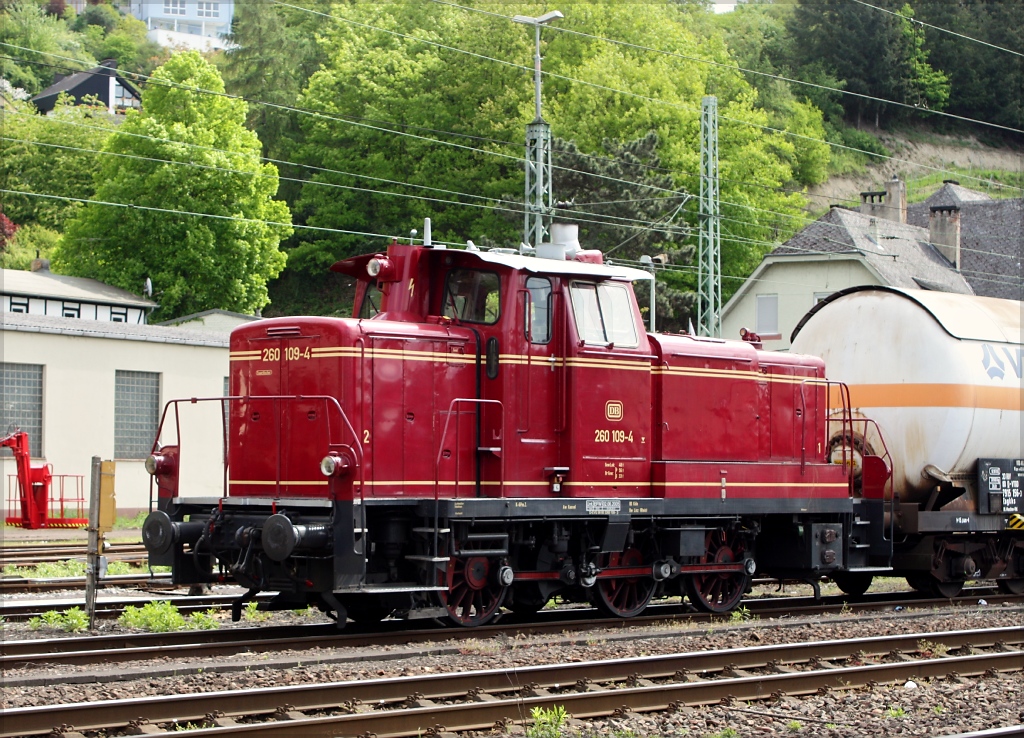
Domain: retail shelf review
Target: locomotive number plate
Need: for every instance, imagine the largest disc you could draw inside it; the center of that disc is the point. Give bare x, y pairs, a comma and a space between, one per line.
604, 507
1003, 478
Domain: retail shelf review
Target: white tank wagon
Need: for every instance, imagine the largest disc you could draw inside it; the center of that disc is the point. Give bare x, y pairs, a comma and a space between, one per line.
941, 375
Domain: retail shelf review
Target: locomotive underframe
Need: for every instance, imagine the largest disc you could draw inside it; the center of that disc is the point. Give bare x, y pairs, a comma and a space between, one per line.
468, 557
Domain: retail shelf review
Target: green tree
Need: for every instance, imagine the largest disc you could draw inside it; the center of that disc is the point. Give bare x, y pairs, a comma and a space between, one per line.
196, 263
875, 53
51, 155
377, 86
32, 36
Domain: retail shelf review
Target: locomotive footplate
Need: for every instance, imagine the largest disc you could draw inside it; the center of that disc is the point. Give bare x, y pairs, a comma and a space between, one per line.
913, 520
484, 508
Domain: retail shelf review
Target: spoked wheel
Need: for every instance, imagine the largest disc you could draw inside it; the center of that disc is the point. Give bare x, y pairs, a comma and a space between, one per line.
853, 583
1010, 586
626, 597
475, 594
719, 592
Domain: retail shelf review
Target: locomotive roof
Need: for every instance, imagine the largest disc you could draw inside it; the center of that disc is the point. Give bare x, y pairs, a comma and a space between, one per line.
355, 266
535, 265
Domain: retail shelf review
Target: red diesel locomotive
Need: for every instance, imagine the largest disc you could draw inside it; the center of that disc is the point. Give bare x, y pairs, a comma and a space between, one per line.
493, 429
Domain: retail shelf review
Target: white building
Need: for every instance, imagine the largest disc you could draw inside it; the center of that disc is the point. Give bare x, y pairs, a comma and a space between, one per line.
192, 24
84, 388
41, 292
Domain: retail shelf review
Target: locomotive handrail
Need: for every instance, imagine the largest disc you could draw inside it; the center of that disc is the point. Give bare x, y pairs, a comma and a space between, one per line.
224, 403
444, 434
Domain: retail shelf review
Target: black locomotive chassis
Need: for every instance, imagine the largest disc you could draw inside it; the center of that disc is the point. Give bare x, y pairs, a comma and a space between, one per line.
374, 547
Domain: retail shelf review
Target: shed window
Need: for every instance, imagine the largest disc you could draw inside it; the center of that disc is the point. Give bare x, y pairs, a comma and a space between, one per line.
19, 304
119, 315
472, 296
538, 317
767, 319
604, 314
136, 413
22, 403
71, 310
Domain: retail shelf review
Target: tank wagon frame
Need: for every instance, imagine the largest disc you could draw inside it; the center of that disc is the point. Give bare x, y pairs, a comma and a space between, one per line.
493, 429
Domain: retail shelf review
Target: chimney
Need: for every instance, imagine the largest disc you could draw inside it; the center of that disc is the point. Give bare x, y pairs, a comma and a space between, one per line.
896, 199
890, 204
40, 265
944, 232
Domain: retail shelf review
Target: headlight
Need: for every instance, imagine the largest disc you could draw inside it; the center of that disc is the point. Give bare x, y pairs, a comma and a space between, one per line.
373, 267
329, 465
153, 464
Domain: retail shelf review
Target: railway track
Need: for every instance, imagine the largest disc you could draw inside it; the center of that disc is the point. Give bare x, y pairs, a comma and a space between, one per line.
194, 645
415, 705
21, 585
29, 555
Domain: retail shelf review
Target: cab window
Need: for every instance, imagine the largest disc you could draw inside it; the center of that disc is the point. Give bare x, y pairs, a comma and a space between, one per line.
604, 314
537, 320
371, 302
472, 296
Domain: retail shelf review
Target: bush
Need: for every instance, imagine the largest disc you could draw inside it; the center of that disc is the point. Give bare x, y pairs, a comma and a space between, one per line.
204, 620
157, 617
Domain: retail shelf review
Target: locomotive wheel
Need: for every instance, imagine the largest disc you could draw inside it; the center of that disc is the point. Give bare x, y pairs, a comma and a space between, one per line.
1010, 586
626, 597
719, 592
853, 583
475, 596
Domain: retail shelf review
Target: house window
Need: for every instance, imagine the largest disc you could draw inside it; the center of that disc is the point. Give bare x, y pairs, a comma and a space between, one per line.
136, 413
22, 403
208, 10
767, 319
604, 314
119, 315
819, 296
123, 98
538, 317
71, 310
19, 304
174, 7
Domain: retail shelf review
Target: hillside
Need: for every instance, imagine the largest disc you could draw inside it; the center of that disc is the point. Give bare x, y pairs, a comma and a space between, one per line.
960, 158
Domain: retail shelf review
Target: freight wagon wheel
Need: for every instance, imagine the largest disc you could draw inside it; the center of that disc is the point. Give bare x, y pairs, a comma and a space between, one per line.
853, 583
1010, 586
719, 592
626, 597
928, 584
475, 594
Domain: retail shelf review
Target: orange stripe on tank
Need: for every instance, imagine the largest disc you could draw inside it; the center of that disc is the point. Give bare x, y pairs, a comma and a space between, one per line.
931, 395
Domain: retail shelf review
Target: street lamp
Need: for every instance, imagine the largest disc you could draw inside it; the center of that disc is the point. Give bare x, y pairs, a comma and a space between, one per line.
537, 23
538, 198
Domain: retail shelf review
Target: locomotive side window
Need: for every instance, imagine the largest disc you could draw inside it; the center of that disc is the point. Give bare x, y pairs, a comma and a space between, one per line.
604, 314
472, 296
371, 302
538, 318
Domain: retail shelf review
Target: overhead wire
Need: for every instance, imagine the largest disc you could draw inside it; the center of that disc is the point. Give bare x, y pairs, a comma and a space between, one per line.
938, 28
710, 62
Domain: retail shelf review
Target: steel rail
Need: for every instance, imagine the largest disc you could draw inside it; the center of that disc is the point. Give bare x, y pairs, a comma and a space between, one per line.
530, 684
28, 555
17, 585
91, 650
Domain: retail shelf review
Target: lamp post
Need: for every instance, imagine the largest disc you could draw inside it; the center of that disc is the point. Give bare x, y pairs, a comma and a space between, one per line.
538, 147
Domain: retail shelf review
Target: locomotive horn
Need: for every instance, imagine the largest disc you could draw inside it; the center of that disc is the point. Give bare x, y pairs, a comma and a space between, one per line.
281, 537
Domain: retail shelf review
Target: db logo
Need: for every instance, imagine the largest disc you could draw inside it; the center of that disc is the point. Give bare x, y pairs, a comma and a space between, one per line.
613, 410
992, 364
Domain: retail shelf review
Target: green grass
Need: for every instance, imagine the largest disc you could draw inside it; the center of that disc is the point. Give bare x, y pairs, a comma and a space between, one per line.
74, 620
123, 523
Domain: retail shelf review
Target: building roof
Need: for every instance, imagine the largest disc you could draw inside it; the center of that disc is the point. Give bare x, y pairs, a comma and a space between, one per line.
899, 253
46, 99
29, 323
46, 284
240, 317
951, 193
991, 240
